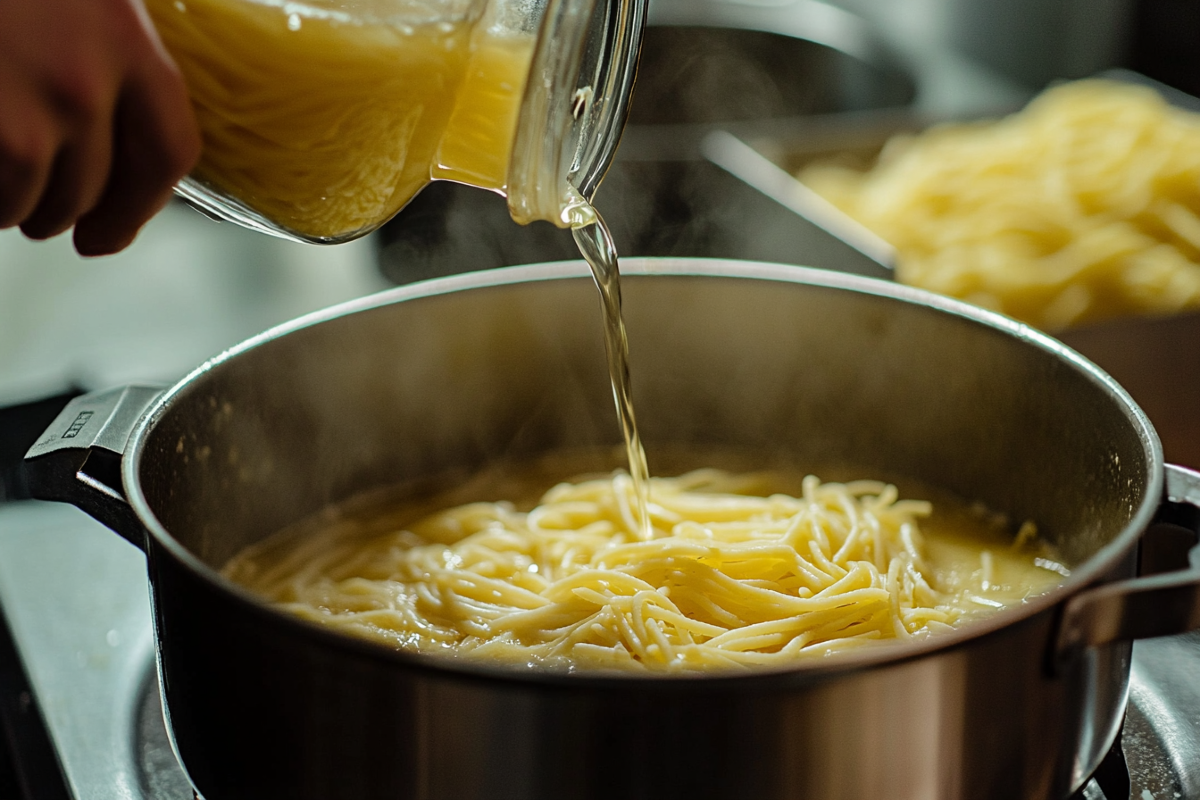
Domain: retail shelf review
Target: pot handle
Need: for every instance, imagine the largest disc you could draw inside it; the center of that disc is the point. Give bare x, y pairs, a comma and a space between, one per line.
1141, 608
77, 459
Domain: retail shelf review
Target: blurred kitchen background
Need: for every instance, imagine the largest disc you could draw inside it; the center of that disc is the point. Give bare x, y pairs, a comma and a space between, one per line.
812, 77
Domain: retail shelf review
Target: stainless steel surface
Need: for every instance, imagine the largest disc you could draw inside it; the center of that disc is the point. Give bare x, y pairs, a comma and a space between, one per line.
161, 774
104, 421
1151, 358
1162, 728
1148, 606
85, 652
833, 338
226, 459
78, 456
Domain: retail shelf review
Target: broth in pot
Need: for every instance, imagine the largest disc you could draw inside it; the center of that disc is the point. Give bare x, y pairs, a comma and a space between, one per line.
742, 570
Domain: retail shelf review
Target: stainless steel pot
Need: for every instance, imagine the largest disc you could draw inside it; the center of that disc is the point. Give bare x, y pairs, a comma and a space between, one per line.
800, 365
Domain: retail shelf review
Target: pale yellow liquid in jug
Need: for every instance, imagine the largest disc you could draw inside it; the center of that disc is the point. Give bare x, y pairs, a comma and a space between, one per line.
328, 125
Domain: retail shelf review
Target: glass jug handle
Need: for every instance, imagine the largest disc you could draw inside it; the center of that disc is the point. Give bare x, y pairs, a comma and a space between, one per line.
574, 109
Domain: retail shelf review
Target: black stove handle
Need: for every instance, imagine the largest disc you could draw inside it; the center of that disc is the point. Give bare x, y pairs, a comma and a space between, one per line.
20, 427
77, 458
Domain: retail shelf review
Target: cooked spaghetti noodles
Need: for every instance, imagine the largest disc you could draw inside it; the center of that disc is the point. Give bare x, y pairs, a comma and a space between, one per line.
735, 576
1083, 207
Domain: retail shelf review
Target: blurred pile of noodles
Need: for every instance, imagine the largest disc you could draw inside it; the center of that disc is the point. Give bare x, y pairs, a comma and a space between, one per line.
1082, 207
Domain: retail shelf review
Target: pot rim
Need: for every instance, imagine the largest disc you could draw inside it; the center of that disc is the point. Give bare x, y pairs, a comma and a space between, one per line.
803, 671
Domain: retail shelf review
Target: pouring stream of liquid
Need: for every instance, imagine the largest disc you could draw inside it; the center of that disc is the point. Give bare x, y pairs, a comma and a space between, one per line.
596, 245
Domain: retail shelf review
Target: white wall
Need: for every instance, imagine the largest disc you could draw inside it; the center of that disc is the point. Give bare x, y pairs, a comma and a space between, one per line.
185, 290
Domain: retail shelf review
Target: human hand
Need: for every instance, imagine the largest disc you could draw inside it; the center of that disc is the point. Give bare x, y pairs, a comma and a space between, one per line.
95, 123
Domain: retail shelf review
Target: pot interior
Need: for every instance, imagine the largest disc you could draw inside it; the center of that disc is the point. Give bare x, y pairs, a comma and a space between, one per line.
804, 368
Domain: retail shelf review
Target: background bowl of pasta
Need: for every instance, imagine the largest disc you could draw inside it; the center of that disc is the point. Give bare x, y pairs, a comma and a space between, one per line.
1079, 214
740, 366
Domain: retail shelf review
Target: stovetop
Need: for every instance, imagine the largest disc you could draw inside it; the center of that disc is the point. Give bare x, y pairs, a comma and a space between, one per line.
89, 661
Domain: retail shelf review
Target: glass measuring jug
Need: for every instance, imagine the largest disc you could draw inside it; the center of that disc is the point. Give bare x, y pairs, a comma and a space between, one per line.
322, 119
